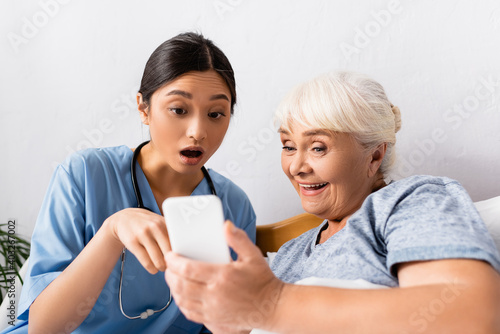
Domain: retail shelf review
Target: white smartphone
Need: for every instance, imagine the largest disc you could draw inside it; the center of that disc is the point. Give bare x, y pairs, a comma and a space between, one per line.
195, 227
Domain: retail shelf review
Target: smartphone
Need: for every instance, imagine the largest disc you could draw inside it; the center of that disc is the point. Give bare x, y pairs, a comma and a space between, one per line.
195, 227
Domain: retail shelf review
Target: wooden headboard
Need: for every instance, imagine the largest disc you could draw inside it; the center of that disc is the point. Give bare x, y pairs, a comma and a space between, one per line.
270, 237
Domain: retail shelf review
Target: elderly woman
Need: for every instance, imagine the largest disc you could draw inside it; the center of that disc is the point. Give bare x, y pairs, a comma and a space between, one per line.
421, 236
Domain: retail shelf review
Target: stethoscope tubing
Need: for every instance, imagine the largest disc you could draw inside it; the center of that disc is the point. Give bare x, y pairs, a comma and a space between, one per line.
147, 313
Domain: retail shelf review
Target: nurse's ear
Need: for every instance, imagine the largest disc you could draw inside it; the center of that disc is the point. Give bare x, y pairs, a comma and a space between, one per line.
143, 109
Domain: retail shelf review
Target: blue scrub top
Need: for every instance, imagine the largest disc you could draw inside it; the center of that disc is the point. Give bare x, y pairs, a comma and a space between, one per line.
85, 190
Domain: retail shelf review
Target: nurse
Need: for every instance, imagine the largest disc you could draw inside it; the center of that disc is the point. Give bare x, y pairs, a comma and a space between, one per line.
96, 258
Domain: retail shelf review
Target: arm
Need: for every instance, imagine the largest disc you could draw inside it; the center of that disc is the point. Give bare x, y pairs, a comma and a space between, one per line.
444, 296
65, 303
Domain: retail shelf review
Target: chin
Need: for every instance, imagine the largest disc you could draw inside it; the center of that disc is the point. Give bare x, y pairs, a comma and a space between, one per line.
187, 169
313, 209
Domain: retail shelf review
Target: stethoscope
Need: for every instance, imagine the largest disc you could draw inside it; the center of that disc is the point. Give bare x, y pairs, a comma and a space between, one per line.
140, 205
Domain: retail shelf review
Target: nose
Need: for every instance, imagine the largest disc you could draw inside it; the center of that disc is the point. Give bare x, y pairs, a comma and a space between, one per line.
299, 164
196, 129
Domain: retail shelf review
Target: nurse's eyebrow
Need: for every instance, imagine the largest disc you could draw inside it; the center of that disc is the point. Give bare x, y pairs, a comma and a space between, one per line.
190, 96
181, 93
219, 97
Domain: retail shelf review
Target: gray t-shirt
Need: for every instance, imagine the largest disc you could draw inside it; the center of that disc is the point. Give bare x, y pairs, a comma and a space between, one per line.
417, 218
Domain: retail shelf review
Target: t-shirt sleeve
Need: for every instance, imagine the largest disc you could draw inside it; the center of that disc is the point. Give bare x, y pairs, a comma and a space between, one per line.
437, 221
58, 237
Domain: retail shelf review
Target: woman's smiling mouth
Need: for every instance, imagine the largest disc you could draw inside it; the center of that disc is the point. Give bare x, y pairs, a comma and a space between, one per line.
314, 186
312, 189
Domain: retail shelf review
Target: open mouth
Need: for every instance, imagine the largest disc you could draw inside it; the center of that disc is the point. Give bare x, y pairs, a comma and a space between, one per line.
313, 186
191, 153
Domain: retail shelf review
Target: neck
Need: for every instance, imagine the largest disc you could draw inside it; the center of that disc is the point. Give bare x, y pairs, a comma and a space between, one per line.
335, 225
379, 182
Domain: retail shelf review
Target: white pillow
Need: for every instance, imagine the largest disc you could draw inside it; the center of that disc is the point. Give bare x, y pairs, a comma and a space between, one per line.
270, 257
490, 212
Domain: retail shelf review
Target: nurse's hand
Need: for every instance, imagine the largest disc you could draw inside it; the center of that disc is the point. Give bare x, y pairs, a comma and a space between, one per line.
233, 297
143, 233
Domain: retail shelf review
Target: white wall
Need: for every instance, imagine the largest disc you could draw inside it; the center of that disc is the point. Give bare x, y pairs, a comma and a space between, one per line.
70, 69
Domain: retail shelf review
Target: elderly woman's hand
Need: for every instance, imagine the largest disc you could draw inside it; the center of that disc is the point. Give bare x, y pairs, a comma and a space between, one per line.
212, 294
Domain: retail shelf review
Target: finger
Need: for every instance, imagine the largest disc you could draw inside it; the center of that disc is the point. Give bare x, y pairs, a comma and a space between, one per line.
143, 257
161, 233
163, 241
187, 296
193, 270
184, 290
194, 316
148, 239
154, 237
239, 241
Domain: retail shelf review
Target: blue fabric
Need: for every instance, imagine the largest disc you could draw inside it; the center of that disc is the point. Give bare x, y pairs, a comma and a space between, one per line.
417, 218
87, 188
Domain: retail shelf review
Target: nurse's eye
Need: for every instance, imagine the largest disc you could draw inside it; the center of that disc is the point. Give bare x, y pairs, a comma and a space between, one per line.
178, 111
216, 114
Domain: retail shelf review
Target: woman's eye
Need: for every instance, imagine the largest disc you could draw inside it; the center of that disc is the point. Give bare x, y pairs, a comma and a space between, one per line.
319, 149
216, 114
178, 111
288, 148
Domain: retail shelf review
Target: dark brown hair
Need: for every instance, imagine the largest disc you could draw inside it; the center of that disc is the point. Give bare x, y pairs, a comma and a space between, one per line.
181, 54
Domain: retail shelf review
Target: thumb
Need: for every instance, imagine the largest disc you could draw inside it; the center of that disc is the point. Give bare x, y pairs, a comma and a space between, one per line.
239, 241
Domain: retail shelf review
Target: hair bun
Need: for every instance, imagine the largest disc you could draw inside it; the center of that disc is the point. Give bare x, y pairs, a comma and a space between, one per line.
397, 117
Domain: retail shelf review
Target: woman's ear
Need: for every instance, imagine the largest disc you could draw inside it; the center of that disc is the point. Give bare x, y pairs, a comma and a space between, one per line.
143, 109
376, 159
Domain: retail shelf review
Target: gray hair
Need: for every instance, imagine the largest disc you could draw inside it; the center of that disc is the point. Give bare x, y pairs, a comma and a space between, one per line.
345, 102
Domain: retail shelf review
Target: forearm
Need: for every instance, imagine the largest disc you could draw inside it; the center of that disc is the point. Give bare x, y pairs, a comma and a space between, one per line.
444, 308
66, 302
